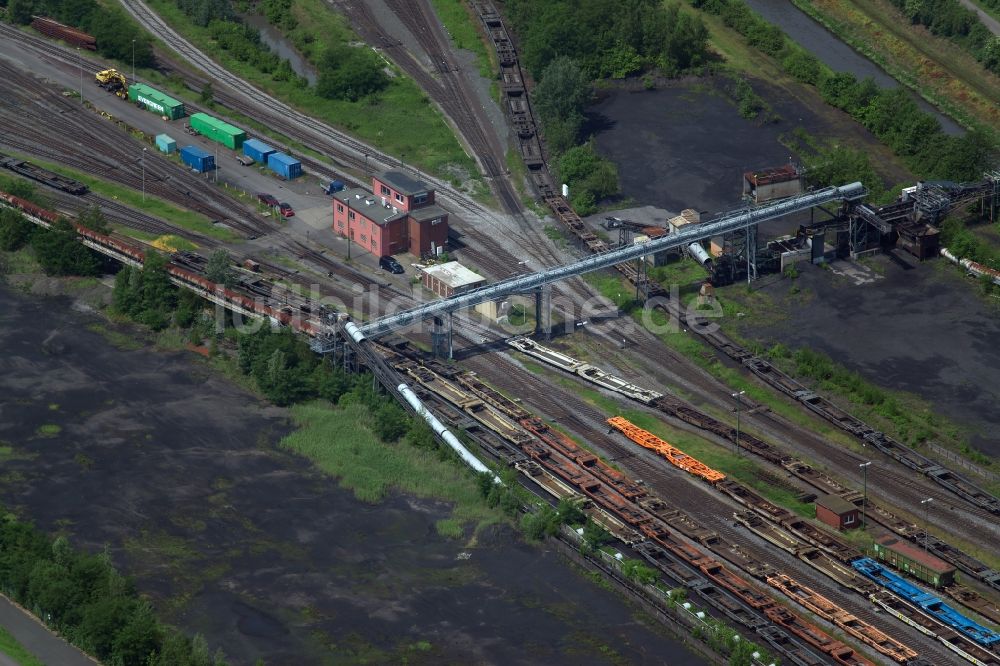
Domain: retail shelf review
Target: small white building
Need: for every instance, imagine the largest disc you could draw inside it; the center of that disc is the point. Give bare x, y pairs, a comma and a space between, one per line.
451, 278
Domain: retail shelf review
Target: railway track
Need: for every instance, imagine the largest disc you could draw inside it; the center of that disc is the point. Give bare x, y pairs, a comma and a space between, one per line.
51, 127
287, 120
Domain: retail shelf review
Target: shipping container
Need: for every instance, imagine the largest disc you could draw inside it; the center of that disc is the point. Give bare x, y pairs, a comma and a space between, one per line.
153, 100
165, 143
906, 557
287, 167
217, 130
257, 150
50, 28
197, 159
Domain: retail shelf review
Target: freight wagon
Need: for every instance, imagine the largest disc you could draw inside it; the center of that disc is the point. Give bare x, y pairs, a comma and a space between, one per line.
217, 130
904, 556
285, 166
153, 100
197, 159
50, 28
257, 150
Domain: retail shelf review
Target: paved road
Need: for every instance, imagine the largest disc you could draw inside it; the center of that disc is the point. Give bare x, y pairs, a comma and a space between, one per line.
37, 639
991, 23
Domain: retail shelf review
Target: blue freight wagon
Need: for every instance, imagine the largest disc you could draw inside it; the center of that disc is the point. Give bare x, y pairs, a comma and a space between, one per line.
285, 166
257, 150
197, 159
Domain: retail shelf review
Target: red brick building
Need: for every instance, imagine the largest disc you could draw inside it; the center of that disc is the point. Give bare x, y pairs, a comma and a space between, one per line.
837, 512
398, 215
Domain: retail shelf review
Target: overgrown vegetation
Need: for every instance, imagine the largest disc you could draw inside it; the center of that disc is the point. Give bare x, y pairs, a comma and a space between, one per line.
57, 250
964, 244
86, 600
890, 114
605, 39
608, 38
949, 18
115, 32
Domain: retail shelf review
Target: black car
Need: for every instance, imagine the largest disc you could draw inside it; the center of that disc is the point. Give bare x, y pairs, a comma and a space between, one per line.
390, 264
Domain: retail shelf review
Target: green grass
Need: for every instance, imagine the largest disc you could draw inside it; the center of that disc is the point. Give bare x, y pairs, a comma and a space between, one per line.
48, 430
152, 205
340, 443
120, 340
401, 120
20, 262
10, 647
463, 27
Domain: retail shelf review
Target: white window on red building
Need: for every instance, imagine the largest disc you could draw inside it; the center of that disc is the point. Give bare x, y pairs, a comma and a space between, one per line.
399, 197
340, 208
363, 238
350, 215
385, 191
419, 199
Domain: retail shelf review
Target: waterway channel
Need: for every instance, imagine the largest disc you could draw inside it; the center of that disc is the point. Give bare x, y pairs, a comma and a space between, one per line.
837, 55
280, 45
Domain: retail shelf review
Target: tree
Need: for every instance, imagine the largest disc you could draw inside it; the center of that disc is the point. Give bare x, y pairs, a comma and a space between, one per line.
838, 165
20, 11
93, 218
207, 94
349, 73
15, 231
59, 253
220, 268
559, 99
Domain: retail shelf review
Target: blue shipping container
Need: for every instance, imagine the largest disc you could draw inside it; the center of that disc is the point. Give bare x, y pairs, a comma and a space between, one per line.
165, 143
257, 150
197, 159
285, 166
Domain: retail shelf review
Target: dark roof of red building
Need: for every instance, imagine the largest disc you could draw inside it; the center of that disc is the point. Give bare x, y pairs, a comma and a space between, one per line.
403, 182
911, 552
836, 504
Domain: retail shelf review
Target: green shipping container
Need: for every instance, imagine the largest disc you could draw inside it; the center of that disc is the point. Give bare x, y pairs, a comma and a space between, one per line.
216, 130
155, 101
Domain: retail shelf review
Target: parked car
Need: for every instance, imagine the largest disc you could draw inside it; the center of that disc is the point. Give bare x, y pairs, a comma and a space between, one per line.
267, 200
390, 264
286, 210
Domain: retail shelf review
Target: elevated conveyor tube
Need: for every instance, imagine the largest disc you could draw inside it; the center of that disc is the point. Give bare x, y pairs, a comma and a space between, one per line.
686, 236
442, 432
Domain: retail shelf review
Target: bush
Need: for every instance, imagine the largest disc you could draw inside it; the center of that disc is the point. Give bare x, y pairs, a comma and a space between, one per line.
60, 253
15, 231
350, 73
590, 177
85, 599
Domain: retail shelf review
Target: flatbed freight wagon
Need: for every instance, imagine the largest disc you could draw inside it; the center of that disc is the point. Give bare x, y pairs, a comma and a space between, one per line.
153, 100
228, 135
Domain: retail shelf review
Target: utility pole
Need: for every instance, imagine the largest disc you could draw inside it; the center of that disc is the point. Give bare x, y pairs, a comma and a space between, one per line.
927, 522
142, 159
133, 61
736, 442
864, 505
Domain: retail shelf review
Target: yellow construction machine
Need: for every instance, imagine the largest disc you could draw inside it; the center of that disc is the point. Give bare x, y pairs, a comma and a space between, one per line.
113, 81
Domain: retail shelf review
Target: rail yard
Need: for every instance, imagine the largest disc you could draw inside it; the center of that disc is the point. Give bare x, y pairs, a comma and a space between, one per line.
906, 586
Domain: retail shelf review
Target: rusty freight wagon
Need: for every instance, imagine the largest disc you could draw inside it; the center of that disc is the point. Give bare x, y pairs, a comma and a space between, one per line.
56, 30
906, 557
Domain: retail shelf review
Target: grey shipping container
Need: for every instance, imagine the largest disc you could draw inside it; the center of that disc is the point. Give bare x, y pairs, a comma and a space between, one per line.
257, 150
285, 166
197, 159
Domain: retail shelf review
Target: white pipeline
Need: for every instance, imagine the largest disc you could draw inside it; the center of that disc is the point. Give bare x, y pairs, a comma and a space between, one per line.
973, 267
445, 434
